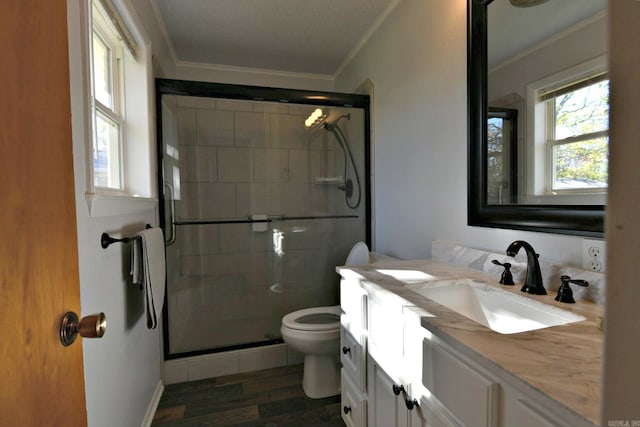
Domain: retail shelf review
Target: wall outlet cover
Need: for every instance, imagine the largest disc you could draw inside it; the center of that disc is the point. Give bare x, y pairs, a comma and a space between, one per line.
594, 254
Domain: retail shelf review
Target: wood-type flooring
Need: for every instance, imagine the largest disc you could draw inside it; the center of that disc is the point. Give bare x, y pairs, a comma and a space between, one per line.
267, 398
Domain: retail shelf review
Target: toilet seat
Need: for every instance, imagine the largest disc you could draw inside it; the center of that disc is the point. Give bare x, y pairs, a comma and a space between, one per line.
314, 319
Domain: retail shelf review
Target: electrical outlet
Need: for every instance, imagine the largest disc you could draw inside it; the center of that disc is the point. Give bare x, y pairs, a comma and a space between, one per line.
594, 251
594, 255
595, 265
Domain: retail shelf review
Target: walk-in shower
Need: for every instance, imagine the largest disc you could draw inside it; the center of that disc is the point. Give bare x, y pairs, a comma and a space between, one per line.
259, 204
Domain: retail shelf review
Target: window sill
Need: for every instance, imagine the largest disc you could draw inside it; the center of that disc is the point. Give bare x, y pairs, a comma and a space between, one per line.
101, 205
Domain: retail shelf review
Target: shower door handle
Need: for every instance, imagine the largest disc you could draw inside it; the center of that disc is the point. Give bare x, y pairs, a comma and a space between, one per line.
172, 216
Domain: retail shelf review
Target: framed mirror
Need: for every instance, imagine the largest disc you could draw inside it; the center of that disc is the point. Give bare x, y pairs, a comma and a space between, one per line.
538, 115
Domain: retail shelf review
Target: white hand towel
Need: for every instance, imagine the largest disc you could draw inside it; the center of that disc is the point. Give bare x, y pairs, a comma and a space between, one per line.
136, 263
153, 265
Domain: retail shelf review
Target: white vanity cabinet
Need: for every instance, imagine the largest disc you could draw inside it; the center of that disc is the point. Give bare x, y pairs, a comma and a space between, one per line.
380, 386
353, 345
396, 373
474, 396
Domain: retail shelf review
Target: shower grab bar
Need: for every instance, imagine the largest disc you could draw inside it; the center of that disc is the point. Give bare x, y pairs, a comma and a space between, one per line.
270, 219
106, 240
172, 215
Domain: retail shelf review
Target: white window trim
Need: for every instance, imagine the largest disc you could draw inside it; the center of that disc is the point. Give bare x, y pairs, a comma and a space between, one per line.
101, 201
537, 155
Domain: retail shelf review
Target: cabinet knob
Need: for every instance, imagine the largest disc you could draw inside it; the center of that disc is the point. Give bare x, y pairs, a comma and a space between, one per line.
397, 389
346, 350
346, 409
411, 403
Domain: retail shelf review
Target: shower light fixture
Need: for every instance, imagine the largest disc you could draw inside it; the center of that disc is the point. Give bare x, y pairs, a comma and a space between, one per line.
315, 118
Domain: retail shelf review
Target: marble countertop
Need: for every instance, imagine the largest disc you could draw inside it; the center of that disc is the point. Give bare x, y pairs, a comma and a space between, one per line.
562, 362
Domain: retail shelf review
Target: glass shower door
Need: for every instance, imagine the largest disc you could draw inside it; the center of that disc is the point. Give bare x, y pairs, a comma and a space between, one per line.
259, 209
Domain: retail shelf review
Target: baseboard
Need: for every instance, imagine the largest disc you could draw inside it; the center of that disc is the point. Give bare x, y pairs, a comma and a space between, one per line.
153, 405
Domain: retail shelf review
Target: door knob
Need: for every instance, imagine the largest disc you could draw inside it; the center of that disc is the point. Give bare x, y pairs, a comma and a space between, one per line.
93, 326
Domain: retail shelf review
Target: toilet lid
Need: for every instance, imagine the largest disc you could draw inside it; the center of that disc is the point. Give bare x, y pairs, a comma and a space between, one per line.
314, 319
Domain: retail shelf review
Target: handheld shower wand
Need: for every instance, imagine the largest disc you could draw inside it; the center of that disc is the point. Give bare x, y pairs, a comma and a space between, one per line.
318, 119
346, 149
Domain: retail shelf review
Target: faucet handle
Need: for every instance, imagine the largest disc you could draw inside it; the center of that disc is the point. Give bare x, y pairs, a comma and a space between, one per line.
565, 294
507, 277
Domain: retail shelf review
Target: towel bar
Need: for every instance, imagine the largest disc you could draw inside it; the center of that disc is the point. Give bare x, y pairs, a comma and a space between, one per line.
106, 240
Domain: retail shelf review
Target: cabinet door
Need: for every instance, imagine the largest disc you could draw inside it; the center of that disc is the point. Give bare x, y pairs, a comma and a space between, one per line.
352, 356
527, 416
465, 392
385, 408
354, 410
353, 300
419, 418
385, 331
428, 412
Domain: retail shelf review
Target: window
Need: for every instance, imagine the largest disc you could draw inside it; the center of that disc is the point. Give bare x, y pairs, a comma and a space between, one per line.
113, 60
106, 72
566, 150
501, 160
577, 134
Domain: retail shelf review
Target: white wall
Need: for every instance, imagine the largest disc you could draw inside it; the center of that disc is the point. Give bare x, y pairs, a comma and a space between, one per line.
122, 370
417, 63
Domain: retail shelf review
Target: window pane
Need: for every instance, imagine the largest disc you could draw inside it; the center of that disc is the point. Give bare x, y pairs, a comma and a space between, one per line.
581, 165
102, 75
585, 110
495, 127
495, 167
106, 153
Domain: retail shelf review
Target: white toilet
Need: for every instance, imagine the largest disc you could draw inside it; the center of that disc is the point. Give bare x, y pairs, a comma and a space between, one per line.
315, 332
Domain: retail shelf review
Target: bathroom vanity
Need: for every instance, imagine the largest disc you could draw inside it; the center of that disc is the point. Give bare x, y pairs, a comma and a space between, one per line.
411, 361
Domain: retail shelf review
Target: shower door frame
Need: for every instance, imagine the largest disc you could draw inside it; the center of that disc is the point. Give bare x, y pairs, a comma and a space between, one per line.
254, 94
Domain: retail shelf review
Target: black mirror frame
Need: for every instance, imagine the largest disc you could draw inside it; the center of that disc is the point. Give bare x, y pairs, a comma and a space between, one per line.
581, 220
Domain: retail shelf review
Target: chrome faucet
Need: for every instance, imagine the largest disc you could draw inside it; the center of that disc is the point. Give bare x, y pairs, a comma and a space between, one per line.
533, 280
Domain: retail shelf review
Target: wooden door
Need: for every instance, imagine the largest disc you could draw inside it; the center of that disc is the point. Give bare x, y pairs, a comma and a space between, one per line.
42, 382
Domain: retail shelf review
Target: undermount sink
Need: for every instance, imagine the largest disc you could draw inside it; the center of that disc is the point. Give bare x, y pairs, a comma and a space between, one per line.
501, 311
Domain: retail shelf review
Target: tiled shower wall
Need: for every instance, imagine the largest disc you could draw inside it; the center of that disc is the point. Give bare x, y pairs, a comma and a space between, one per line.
230, 284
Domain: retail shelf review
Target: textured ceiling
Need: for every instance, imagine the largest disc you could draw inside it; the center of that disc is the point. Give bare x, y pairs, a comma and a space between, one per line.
301, 36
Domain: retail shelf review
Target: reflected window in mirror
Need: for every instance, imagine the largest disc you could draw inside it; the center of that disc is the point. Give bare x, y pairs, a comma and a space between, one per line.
578, 133
567, 154
501, 165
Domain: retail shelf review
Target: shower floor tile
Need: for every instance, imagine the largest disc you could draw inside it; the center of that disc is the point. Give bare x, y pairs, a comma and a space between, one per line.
267, 398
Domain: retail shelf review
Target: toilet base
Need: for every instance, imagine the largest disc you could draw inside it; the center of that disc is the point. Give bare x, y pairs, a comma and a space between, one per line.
321, 377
